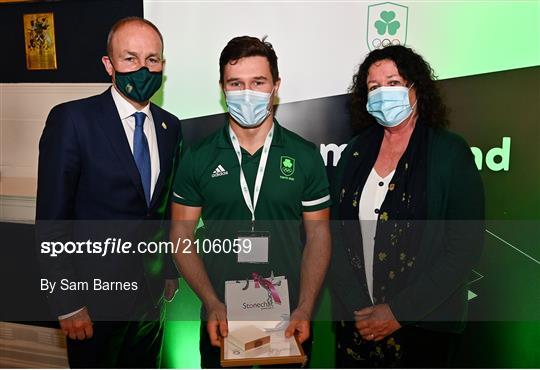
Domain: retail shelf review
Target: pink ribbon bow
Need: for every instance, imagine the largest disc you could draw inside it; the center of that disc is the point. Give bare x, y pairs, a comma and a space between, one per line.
266, 284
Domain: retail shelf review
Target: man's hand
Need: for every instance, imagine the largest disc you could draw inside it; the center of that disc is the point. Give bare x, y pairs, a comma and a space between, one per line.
170, 289
78, 326
217, 323
299, 326
376, 322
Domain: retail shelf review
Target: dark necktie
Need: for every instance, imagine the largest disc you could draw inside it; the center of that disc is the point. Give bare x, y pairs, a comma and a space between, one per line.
141, 153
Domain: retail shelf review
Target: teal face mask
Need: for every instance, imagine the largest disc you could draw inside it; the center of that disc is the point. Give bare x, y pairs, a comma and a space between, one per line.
138, 85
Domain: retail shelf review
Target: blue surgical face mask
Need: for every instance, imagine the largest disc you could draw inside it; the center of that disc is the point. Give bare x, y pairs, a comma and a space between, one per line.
249, 108
389, 105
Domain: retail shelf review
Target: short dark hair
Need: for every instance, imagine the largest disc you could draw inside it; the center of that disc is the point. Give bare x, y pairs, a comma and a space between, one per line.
413, 68
119, 24
247, 46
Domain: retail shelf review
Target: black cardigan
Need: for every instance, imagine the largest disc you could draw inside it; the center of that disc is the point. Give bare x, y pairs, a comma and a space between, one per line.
435, 296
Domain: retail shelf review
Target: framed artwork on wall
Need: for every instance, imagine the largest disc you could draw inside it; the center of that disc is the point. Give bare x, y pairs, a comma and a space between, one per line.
40, 44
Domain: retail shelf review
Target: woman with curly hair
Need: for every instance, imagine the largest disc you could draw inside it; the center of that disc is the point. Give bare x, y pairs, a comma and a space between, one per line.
410, 207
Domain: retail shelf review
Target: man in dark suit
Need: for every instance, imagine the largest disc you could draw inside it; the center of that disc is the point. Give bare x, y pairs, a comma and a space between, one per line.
110, 158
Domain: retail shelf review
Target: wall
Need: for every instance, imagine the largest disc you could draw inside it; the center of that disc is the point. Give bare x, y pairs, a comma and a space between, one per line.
26, 97
81, 28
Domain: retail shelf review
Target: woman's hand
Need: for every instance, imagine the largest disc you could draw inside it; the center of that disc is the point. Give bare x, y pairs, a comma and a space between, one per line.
376, 322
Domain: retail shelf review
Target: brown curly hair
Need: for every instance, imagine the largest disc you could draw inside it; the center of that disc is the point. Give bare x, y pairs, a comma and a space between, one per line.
414, 69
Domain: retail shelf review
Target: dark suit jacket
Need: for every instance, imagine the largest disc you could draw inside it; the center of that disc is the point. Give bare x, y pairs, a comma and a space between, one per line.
89, 188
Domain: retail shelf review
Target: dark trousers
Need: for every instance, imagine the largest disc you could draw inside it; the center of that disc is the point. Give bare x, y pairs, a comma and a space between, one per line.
122, 344
210, 355
118, 345
408, 347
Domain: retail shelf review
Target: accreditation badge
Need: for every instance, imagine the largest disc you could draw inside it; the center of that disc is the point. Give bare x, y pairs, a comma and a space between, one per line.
258, 241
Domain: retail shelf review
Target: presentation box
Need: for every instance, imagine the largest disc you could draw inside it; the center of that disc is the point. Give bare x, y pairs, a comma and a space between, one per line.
279, 351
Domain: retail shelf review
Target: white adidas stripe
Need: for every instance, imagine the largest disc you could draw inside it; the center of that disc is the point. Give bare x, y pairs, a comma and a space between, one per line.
309, 203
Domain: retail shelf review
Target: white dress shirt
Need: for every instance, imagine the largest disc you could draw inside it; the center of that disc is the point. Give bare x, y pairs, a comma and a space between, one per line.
126, 111
371, 200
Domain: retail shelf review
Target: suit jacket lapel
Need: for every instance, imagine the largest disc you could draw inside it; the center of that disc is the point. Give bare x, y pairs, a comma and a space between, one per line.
111, 124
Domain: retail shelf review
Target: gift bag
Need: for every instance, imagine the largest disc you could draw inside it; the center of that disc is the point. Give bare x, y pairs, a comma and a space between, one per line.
263, 302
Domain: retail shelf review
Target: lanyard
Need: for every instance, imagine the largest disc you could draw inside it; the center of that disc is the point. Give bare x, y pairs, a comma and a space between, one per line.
260, 172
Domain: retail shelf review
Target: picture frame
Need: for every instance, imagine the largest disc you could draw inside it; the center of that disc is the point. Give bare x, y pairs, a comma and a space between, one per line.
40, 43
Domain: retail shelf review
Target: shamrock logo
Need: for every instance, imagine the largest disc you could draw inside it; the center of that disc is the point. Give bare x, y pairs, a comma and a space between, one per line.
287, 163
387, 22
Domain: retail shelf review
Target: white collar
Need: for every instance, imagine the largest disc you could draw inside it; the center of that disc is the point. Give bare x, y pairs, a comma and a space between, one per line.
125, 109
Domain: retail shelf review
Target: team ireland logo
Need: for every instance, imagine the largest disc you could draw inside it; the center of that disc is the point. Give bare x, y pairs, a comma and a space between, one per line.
386, 25
287, 165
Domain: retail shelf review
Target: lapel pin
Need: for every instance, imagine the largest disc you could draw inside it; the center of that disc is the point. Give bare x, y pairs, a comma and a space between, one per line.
164, 125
